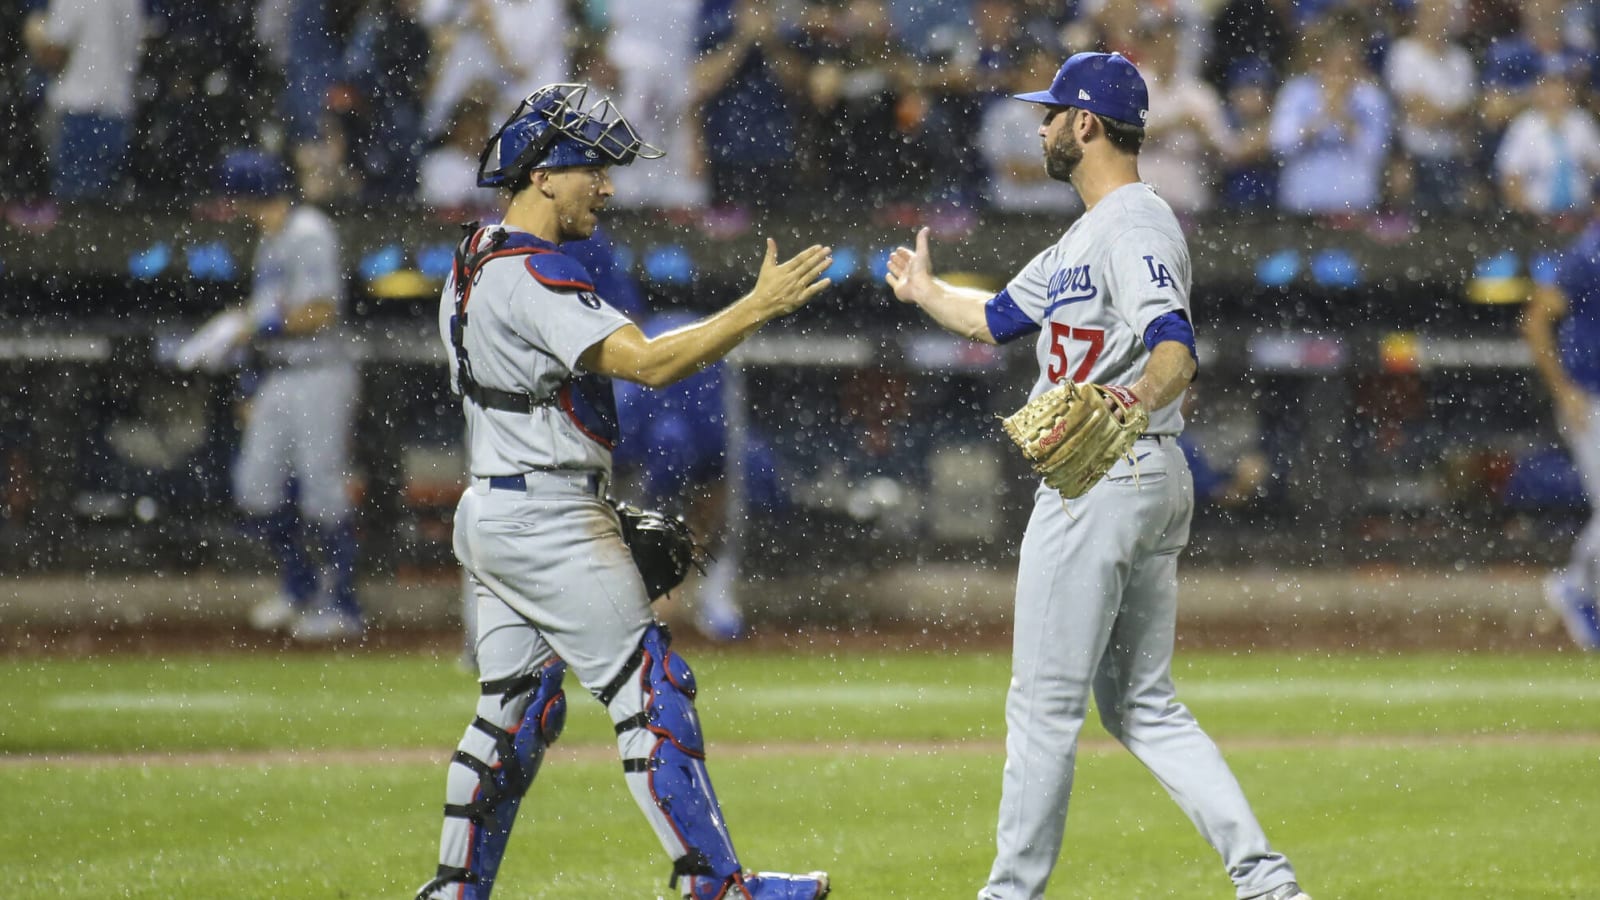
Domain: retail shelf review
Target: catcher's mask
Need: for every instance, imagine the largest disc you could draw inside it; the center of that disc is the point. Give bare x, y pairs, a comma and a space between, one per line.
553, 128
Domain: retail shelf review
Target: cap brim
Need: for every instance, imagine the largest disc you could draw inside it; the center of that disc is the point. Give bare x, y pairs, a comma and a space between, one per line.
1044, 97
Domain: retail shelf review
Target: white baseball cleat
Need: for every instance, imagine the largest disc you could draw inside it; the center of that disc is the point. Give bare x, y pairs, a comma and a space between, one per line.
1577, 609
323, 625
272, 614
1290, 891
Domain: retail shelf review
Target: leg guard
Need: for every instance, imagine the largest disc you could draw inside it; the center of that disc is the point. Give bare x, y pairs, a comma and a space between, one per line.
663, 756
490, 772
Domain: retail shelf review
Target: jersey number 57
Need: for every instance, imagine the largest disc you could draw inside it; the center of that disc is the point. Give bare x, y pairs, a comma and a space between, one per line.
1060, 335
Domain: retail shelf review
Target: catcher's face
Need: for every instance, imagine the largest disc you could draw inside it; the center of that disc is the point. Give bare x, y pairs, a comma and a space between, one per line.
580, 193
1062, 152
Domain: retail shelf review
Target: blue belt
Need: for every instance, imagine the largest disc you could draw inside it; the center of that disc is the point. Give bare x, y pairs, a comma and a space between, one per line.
588, 481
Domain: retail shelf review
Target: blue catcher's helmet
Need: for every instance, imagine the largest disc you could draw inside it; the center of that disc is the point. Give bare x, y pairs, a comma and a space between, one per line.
551, 129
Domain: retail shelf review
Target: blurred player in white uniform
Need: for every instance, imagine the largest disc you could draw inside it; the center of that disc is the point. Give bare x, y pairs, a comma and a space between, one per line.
1096, 603
534, 349
292, 476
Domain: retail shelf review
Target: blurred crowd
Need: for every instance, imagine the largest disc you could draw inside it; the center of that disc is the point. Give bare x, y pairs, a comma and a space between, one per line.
1343, 108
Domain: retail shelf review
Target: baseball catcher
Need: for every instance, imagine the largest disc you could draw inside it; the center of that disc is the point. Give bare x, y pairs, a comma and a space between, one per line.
1074, 433
557, 596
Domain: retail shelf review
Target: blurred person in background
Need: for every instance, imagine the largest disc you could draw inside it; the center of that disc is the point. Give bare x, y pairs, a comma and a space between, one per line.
1561, 327
1550, 155
878, 127
447, 179
748, 81
1514, 64
1017, 182
999, 46
1263, 31
513, 45
92, 50
1249, 174
1118, 24
651, 45
1186, 134
1331, 126
202, 73
383, 74
1434, 82
24, 173
292, 477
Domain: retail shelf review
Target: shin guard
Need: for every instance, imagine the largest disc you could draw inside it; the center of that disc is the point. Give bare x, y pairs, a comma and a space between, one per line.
492, 769
663, 753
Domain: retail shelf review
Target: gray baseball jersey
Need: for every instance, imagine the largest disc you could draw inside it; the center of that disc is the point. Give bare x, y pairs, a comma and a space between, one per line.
1096, 600
1092, 295
543, 551
531, 316
531, 313
297, 266
302, 413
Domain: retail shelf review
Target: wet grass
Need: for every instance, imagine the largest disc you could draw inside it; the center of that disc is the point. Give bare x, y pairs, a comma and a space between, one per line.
1438, 775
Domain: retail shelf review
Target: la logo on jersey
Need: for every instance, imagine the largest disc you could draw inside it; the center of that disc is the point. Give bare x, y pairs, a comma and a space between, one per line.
1158, 272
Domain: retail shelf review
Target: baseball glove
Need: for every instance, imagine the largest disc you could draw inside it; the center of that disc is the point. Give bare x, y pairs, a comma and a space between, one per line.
663, 547
1072, 437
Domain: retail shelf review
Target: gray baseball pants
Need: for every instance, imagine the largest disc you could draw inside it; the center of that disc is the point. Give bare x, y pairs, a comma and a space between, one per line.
1096, 609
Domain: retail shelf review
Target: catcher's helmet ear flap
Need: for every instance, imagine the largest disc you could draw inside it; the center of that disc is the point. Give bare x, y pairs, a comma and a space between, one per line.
555, 127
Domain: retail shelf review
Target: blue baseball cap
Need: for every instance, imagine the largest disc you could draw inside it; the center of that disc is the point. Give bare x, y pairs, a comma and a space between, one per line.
1106, 84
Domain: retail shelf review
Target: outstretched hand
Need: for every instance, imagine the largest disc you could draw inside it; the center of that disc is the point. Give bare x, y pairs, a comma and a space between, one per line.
910, 273
785, 287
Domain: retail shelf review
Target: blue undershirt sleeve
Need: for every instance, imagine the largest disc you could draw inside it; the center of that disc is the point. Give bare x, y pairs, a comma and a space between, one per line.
1172, 326
1007, 321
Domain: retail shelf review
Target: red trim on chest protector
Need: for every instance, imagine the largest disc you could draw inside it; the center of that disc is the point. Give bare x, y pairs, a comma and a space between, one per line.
564, 400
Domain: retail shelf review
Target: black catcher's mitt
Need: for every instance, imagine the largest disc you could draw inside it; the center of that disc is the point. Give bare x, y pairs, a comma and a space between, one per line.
663, 547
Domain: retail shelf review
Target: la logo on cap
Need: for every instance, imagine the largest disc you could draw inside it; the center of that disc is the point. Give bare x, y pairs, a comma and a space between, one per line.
1084, 95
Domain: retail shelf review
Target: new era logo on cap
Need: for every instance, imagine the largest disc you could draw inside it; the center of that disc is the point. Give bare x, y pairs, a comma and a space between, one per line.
1106, 84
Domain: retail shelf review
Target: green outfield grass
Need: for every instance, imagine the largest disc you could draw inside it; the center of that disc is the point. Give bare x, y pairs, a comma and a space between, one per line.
1438, 776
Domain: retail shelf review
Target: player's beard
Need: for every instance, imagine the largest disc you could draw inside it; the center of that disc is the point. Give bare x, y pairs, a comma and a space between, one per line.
1061, 158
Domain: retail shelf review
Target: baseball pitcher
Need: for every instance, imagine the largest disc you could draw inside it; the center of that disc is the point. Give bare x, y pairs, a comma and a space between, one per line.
1096, 601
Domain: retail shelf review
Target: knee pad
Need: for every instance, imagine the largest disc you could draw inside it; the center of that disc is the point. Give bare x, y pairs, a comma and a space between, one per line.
675, 770
492, 807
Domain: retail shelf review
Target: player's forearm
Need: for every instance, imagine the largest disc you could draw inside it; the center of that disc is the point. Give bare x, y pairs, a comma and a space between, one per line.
677, 354
958, 310
1166, 375
310, 319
